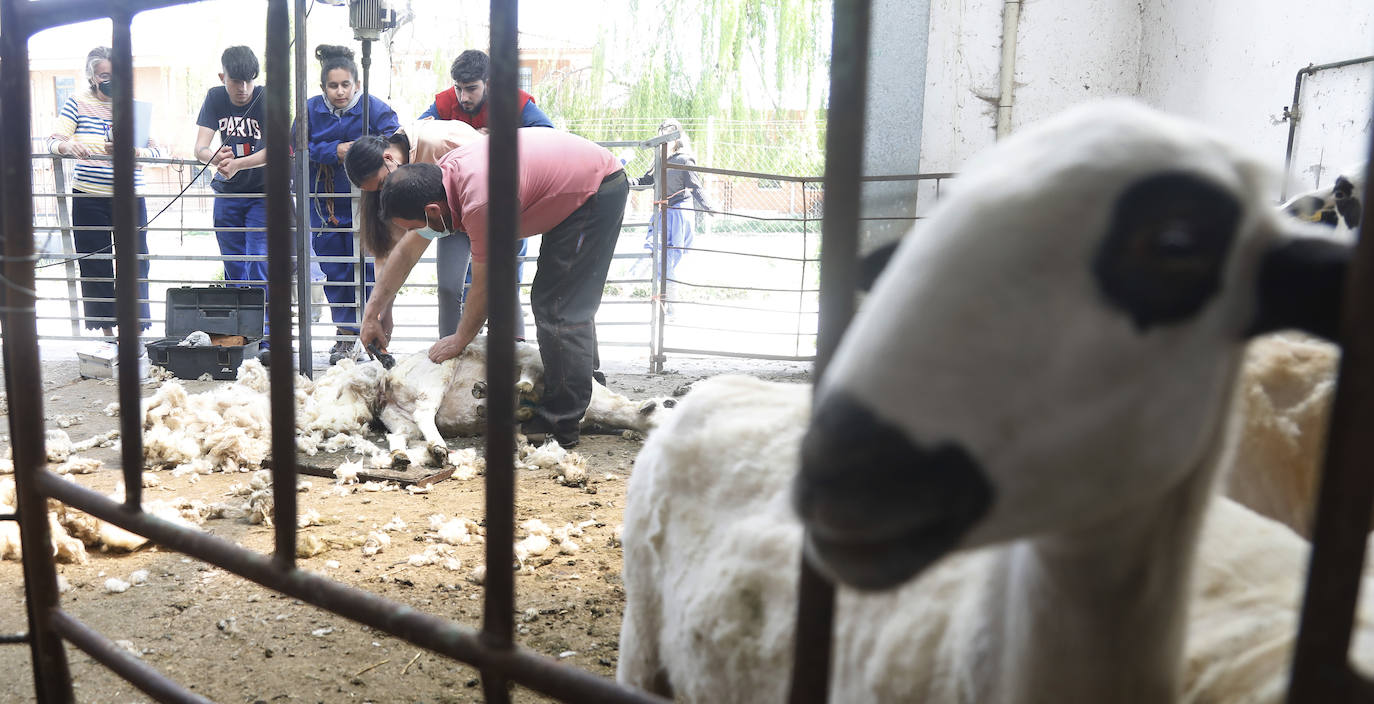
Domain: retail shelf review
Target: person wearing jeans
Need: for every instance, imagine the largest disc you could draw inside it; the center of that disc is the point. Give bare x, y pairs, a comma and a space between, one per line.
571, 190
83, 129
234, 112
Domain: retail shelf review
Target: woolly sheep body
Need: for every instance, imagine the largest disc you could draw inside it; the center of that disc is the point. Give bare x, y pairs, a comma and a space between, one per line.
1033, 480
1284, 402
711, 594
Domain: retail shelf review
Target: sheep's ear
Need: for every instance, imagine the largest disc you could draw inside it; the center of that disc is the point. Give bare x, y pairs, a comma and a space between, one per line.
873, 263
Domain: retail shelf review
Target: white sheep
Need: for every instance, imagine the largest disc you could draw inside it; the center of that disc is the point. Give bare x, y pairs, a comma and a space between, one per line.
227, 428
421, 399
1283, 402
1339, 206
1014, 509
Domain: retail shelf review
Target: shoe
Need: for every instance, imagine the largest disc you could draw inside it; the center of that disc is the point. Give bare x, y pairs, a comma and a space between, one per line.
343, 349
265, 358
535, 434
599, 377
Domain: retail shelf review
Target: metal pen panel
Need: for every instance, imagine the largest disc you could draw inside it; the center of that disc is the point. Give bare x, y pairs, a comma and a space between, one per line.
282, 374
122, 662
844, 148
503, 180
64, 221
23, 371
1321, 662
126, 261
439, 635
659, 289
302, 221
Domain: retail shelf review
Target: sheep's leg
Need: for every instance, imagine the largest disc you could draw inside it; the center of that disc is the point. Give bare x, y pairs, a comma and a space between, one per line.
396, 443
424, 417
398, 422
638, 665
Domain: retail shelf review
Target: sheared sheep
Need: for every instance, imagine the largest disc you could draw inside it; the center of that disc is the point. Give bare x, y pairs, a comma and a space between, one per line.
1014, 510
227, 427
422, 399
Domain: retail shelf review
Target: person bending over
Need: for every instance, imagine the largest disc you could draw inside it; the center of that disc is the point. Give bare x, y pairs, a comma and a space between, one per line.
571, 190
372, 158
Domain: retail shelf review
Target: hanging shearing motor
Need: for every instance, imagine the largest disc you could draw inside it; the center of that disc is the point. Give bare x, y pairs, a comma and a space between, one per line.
369, 18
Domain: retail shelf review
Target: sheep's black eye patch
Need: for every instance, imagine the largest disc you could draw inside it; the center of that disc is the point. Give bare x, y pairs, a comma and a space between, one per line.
1347, 202
1162, 257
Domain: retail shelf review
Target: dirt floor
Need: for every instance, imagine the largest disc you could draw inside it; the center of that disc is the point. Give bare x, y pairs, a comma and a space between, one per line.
233, 641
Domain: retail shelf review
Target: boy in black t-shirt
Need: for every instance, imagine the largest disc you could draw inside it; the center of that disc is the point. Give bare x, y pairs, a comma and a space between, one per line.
235, 111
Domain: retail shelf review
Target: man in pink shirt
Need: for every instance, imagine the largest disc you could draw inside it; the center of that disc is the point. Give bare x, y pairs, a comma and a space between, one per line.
571, 190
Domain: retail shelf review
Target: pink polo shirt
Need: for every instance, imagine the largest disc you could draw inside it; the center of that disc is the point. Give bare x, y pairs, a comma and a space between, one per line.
558, 173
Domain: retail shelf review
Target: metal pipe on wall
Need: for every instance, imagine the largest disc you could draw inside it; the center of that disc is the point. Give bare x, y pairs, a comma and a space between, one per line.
1293, 113
1011, 20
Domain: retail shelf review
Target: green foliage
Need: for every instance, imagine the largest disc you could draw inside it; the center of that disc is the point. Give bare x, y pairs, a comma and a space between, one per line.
745, 77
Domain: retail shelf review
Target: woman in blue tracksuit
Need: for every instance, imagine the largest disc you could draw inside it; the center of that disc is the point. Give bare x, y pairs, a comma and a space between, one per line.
334, 122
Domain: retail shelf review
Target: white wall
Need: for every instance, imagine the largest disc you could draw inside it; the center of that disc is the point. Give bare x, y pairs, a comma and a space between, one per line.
1227, 63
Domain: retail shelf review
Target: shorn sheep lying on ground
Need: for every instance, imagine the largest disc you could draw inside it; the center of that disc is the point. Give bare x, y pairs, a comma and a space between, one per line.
422, 399
1012, 512
227, 427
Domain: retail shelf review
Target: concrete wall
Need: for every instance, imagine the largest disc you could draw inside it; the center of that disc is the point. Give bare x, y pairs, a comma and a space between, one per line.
1227, 63
894, 113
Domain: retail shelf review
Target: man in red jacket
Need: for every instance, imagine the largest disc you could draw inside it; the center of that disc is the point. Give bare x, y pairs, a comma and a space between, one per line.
466, 101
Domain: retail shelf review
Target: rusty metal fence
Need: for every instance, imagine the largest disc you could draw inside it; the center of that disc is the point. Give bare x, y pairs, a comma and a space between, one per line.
748, 284
1322, 671
493, 649
183, 252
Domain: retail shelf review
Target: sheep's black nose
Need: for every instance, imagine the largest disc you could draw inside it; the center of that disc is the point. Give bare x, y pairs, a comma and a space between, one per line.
865, 489
1301, 287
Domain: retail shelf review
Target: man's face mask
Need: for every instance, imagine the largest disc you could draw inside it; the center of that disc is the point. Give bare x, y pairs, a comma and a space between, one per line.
430, 233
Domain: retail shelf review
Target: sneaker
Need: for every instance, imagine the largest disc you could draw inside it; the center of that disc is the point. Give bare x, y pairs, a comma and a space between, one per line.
265, 358
343, 349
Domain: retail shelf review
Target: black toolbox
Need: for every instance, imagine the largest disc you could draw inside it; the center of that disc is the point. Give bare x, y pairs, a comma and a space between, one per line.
217, 310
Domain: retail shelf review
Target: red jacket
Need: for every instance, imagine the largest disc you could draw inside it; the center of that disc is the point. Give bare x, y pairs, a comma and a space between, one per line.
446, 104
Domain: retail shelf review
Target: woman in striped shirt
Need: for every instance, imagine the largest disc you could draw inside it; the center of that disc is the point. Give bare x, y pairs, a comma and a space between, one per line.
83, 129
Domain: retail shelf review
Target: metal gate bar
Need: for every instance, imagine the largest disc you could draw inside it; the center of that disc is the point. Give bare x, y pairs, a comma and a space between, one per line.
121, 662
52, 679
425, 630
493, 650
844, 148
1321, 662
503, 180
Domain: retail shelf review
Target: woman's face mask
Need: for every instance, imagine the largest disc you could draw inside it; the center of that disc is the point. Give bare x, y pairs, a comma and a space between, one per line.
104, 82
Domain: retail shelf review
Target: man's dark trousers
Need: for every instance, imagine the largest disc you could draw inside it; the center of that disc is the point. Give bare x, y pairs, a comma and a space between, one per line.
574, 259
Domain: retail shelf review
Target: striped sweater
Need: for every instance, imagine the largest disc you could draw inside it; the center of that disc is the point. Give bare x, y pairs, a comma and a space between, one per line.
85, 118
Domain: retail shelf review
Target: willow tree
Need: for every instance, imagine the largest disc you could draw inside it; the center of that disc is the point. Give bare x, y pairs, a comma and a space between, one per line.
754, 70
